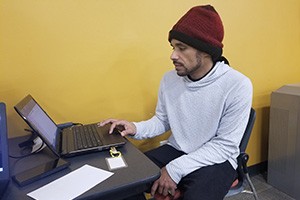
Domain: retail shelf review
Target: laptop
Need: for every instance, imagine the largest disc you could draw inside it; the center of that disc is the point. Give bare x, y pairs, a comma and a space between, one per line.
4, 170
66, 142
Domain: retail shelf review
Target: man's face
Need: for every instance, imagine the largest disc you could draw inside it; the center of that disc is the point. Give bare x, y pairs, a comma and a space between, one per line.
187, 60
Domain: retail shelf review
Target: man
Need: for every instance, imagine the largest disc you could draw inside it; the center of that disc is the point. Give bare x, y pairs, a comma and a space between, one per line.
206, 105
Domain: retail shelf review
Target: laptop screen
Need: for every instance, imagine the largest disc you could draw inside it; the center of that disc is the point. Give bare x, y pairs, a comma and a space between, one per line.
38, 120
4, 165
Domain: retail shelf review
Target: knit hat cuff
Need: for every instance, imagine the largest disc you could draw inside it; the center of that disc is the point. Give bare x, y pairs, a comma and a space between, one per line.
214, 51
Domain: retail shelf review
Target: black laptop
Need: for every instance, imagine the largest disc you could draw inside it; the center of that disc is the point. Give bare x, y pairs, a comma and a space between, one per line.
4, 170
70, 141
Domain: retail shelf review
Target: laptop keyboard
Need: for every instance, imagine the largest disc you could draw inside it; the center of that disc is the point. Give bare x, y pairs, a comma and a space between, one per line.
86, 136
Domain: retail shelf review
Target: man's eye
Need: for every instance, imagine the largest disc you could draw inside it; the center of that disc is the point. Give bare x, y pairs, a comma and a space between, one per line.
182, 48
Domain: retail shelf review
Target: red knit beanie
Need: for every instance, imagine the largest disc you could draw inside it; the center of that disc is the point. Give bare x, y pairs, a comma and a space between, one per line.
201, 27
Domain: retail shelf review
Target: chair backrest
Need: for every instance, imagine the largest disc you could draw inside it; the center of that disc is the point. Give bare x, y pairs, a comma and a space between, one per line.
248, 130
243, 157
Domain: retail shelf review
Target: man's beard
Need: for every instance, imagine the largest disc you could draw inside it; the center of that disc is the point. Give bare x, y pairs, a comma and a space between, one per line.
188, 71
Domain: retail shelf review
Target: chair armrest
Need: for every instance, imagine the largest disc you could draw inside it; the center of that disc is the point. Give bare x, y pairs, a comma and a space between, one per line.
242, 161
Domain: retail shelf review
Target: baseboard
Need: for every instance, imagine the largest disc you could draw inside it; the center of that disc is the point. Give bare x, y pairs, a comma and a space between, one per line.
258, 168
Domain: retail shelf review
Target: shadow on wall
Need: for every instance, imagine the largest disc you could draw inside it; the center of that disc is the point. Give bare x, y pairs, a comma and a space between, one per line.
265, 126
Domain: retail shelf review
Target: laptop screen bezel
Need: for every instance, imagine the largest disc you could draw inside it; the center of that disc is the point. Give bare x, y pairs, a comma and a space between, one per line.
4, 175
19, 107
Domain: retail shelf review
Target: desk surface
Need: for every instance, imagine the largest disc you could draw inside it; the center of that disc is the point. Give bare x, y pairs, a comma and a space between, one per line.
134, 179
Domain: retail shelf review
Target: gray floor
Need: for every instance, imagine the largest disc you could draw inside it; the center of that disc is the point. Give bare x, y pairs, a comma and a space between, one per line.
264, 191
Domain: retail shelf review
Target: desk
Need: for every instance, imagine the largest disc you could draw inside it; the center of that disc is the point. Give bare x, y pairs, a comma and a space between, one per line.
125, 182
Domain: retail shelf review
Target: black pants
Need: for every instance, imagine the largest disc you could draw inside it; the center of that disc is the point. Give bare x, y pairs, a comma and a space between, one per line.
206, 183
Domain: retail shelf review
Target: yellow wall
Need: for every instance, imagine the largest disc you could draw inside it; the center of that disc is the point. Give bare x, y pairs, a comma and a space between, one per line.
87, 60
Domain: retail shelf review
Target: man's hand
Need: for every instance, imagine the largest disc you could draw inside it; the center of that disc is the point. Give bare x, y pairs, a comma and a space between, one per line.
164, 185
124, 127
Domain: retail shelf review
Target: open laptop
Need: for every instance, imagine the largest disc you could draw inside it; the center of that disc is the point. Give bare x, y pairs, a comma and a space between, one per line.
64, 142
4, 170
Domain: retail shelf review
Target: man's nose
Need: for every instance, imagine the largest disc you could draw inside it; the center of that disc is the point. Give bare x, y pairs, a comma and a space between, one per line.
174, 56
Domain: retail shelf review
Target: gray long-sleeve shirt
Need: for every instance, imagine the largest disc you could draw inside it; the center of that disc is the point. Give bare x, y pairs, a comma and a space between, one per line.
207, 118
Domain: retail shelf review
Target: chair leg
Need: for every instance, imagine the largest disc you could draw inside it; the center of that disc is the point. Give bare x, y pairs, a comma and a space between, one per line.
243, 159
252, 186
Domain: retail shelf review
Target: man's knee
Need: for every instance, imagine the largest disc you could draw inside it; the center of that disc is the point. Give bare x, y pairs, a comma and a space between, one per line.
212, 182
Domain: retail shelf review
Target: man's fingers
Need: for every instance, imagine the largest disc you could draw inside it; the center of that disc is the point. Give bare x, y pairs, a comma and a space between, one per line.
165, 191
120, 125
112, 127
107, 121
160, 189
154, 188
123, 133
115, 123
171, 191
